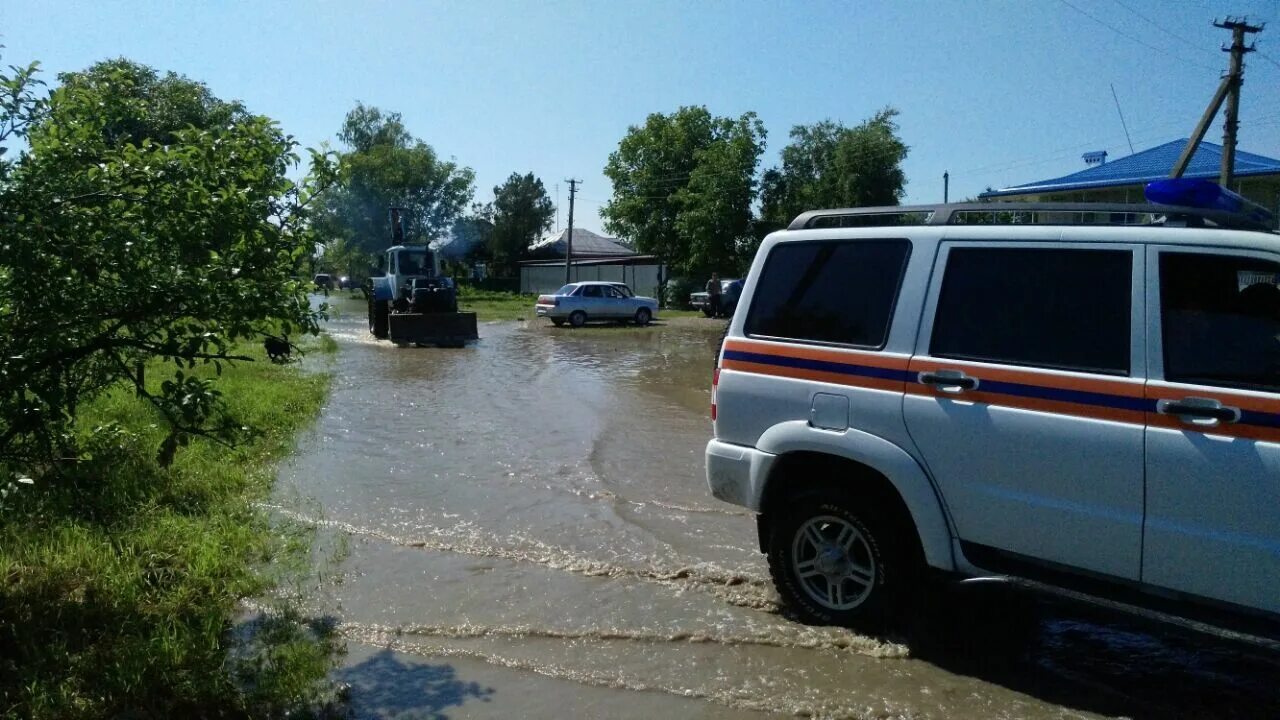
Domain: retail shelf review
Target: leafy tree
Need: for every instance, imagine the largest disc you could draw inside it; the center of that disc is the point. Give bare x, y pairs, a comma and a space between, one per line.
470, 236
147, 219
828, 165
522, 211
683, 185
385, 166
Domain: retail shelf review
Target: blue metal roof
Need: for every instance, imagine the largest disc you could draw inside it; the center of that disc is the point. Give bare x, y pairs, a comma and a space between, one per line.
1146, 166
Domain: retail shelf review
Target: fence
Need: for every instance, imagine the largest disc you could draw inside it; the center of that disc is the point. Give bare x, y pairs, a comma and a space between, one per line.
642, 279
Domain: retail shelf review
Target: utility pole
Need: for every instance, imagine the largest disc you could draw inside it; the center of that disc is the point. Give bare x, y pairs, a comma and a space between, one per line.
568, 247
1235, 75
946, 187
1230, 86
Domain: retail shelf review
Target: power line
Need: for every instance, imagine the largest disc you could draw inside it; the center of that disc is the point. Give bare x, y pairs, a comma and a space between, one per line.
1268, 58
1162, 29
1134, 38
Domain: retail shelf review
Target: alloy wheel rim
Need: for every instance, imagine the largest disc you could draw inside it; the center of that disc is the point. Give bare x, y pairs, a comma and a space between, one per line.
833, 562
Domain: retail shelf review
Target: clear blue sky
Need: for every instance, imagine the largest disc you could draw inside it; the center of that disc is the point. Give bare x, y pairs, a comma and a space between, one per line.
998, 93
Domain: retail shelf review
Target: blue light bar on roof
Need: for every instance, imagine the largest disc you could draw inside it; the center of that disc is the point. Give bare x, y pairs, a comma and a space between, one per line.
1205, 195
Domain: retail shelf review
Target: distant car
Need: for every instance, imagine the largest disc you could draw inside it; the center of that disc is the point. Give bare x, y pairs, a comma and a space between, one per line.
323, 281
577, 303
729, 292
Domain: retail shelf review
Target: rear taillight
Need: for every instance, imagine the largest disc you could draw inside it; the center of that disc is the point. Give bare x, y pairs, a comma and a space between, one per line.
715, 382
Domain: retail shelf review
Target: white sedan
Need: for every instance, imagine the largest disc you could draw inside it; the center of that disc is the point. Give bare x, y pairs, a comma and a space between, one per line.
576, 303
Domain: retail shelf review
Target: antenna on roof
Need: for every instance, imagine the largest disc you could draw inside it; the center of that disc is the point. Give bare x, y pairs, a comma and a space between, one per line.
1120, 112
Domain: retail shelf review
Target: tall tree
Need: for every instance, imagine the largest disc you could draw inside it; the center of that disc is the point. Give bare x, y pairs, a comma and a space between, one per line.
469, 236
522, 211
385, 166
828, 165
683, 185
147, 219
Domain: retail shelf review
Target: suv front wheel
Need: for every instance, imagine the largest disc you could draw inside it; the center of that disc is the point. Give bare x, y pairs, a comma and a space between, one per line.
836, 561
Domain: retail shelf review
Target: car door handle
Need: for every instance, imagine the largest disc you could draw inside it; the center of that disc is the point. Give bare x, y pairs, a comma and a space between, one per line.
1199, 411
948, 381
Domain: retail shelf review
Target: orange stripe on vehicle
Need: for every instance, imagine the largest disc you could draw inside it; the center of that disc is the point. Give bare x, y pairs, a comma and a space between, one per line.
1040, 378
849, 356
813, 375
1234, 430
1056, 407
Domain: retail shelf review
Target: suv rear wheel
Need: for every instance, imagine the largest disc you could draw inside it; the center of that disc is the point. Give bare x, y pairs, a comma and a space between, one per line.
838, 561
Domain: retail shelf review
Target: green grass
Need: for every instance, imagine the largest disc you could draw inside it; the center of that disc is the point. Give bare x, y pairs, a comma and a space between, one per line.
489, 305
667, 313
120, 580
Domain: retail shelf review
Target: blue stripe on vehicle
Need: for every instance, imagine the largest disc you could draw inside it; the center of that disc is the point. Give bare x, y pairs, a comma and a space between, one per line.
1079, 397
1258, 418
820, 365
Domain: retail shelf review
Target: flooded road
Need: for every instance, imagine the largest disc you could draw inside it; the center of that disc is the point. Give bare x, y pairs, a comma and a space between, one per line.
528, 533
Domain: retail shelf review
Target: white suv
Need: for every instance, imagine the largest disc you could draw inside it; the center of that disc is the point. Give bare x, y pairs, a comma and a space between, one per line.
1084, 406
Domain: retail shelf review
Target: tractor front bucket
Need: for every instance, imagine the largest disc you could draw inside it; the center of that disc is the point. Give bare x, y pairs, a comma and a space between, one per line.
448, 329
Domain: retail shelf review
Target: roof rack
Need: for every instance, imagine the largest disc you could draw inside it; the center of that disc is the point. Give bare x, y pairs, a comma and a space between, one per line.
1043, 213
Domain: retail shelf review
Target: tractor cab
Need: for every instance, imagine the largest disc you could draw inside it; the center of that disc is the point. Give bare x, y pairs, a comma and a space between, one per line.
412, 261
410, 266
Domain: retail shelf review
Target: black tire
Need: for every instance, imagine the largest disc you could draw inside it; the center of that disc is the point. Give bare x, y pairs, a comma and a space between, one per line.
558, 322
577, 318
706, 311
643, 316
379, 318
875, 567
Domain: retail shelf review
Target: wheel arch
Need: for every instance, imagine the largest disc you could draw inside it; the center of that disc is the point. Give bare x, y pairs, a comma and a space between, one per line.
862, 463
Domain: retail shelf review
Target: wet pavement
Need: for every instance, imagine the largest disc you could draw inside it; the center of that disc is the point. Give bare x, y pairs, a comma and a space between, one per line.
528, 533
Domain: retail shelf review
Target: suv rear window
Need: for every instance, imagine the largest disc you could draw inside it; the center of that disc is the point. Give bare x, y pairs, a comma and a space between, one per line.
831, 292
1221, 320
1056, 308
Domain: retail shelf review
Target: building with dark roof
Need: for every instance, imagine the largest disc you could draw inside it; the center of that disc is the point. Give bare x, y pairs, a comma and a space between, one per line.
586, 244
1256, 177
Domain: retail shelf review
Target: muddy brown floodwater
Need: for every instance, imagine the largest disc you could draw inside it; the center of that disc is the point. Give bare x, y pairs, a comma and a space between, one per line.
529, 534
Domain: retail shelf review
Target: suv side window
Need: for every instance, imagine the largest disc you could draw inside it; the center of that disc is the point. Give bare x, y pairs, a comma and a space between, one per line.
831, 292
1044, 307
1220, 319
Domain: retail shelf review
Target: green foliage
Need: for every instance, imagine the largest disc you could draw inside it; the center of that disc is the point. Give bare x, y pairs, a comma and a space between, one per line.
470, 237
385, 166
121, 581
522, 211
683, 185
490, 305
828, 165
147, 219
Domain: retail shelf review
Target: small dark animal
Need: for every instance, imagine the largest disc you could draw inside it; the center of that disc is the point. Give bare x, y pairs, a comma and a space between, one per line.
278, 348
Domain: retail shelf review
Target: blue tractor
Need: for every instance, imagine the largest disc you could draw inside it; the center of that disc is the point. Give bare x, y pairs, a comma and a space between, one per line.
411, 302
